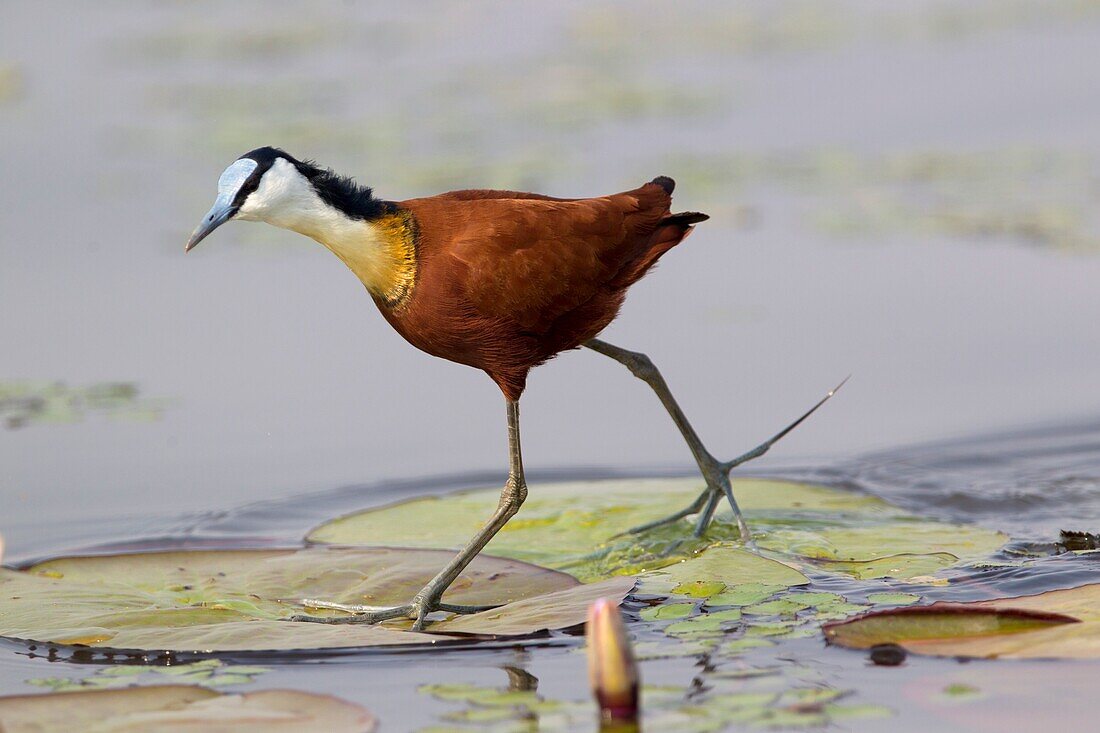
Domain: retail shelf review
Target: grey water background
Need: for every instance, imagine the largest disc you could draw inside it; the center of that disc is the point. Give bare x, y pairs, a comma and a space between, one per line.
905, 192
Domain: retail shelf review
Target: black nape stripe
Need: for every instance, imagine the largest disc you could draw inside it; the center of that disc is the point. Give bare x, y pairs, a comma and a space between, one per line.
340, 192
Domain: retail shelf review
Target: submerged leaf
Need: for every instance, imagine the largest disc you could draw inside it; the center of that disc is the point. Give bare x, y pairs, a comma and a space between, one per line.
180, 707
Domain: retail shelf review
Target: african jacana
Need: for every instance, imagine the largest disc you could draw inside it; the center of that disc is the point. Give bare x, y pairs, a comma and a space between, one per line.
498, 280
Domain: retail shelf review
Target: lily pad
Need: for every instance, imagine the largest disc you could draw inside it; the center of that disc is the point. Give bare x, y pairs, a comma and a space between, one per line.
778, 607
667, 611
236, 600
731, 566
893, 599
207, 673
181, 708
578, 527
894, 549
558, 610
745, 594
1061, 623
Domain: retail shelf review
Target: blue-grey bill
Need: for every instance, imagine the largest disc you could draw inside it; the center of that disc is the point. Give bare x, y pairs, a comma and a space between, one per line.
217, 216
229, 185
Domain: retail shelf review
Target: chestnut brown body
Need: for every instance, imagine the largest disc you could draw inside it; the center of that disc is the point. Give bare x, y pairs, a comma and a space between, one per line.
506, 280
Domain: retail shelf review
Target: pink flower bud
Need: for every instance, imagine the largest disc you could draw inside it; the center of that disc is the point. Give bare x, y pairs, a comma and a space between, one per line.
612, 671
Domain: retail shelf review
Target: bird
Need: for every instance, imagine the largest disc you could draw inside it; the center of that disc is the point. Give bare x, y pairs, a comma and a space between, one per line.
501, 281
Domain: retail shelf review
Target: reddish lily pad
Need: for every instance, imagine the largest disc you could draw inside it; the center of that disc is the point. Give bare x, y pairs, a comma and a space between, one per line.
1062, 623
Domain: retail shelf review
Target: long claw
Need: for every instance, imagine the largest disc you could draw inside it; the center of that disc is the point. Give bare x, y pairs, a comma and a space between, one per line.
703, 521
670, 519
767, 444
361, 614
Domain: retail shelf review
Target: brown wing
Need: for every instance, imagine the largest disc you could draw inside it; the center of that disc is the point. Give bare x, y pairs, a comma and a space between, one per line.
480, 194
532, 260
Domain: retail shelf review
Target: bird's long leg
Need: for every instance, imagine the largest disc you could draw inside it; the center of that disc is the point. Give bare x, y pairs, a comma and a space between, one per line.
715, 473
429, 598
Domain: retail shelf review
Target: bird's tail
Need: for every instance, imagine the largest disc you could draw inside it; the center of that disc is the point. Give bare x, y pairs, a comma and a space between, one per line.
683, 219
670, 231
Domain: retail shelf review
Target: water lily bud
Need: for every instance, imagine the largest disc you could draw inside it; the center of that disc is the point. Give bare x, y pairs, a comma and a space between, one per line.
612, 671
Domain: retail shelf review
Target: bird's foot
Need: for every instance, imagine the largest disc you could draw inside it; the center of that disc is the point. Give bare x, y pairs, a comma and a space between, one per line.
705, 505
417, 610
717, 476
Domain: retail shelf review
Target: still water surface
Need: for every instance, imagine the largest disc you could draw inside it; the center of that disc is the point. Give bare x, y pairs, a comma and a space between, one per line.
908, 194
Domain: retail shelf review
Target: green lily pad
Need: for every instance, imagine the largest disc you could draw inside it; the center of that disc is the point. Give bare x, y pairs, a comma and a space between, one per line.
893, 599
704, 624
771, 628
578, 527
236, 599
816, 599
181, 707
739, 646
778, 607
207, 672
667, 611
745, 594
1060, 623
574, 526
893, 549
904, 567
729, 565
699, 589
831, 611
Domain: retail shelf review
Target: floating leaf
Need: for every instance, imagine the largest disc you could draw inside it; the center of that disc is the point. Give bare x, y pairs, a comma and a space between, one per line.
704, 624
207, 672
26, 403
180, 707
578, 527
894, 549
730, 565
815, 599
699, 589
893, 599
1062, 623
575, 526
745, 594
961, 691
184, 601
650, 650
739, 646
667, 611
558, 610
779, 607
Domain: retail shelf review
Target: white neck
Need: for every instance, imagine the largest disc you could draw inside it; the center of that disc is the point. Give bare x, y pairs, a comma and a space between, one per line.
287, 200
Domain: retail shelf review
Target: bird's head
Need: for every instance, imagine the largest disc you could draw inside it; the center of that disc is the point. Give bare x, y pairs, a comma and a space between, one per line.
257, 183
270, 185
